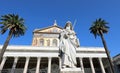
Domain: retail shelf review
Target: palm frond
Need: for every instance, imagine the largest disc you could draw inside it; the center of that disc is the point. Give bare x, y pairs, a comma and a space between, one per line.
97, 26
14, 23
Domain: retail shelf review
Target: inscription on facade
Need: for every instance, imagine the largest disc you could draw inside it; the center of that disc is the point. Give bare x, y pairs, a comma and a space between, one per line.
46, 35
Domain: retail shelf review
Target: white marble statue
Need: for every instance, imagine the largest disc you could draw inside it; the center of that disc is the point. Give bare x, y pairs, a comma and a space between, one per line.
67, 47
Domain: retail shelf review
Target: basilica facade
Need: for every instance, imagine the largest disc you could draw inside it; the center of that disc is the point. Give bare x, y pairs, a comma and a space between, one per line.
42, 55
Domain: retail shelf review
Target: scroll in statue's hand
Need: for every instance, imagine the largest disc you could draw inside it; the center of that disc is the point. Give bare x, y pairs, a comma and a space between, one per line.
65, 36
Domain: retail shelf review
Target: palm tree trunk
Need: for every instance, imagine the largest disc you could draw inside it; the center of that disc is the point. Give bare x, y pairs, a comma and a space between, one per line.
5, 45
107, 52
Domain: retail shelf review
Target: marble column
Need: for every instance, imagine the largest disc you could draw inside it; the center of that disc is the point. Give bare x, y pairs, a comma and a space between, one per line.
60, 63
49, 64
92, 66
2, 63
38, 65
101, 65
14, 65
26, 65
82, 66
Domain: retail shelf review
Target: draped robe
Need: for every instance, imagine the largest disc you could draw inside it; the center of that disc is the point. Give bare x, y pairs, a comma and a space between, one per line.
67, 48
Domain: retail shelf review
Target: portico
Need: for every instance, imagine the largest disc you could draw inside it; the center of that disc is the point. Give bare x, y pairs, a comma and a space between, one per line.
88, 60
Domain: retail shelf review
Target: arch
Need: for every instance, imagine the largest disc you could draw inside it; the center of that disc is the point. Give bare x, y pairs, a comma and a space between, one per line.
41, 42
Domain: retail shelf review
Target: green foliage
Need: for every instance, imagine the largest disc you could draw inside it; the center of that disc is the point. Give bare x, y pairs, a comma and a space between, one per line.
99, 27
13, 23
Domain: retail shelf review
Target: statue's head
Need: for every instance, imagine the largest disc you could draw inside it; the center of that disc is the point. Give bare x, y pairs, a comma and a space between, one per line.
68, 25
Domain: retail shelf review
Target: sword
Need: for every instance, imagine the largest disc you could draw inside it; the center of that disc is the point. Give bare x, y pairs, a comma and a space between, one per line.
74, 23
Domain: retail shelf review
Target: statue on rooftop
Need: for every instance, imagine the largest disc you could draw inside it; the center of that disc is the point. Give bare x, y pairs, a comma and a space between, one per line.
68, 45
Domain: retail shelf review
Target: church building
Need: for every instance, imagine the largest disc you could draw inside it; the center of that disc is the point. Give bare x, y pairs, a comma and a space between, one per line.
42, 56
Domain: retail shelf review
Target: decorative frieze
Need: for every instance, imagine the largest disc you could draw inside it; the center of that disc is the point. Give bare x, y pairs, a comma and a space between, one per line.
46, 35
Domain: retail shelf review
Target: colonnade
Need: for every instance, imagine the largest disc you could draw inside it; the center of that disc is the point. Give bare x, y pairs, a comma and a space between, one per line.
26, 64
92, 66
49, 64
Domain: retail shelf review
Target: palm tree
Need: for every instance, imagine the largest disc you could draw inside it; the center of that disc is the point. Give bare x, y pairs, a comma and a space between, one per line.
98, 28
16, 28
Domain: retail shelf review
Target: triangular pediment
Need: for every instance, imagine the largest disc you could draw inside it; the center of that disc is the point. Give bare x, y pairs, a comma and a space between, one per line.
52, 29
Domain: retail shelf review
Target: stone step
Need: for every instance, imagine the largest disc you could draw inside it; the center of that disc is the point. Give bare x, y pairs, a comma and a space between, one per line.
71, 70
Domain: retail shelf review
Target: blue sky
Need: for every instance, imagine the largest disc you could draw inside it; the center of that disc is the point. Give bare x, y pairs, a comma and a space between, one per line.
42, 13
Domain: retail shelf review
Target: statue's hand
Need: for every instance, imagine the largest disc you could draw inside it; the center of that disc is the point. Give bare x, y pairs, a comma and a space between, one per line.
65, 36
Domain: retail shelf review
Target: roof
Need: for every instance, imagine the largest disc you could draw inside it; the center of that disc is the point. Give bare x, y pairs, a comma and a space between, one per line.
36, 30
116, 55
49, 27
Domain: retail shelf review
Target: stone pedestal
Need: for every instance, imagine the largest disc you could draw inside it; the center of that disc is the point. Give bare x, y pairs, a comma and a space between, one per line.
71, 70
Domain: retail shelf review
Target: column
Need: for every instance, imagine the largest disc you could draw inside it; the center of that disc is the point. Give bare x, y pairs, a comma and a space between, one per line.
14, 65
92, 66
26, 65
38, 65
101, 65
49, 65
81, 63
60, 63
2, 63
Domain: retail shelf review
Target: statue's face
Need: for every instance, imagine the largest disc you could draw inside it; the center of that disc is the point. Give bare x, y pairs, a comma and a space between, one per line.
68, 26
